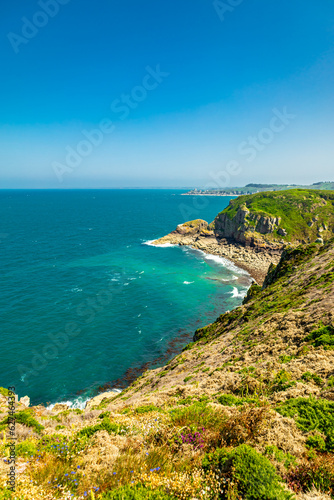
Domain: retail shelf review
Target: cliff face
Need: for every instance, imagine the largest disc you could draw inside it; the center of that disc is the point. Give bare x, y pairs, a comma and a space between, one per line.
246, 226
273, 219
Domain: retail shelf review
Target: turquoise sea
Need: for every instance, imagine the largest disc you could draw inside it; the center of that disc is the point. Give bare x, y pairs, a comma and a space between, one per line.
86, 302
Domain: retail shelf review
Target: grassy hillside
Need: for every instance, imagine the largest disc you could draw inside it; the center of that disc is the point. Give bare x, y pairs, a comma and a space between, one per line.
245, 412
305, 214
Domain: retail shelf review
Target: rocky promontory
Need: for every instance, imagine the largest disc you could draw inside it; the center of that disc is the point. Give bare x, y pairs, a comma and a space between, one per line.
253, 230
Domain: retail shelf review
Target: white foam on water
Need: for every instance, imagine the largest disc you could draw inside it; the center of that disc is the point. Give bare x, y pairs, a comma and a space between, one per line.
225, 263
162, 245
79, 402
76, 403
236, 294
188, 282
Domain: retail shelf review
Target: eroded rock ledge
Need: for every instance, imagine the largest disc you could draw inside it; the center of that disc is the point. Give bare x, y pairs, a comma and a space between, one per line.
254, 257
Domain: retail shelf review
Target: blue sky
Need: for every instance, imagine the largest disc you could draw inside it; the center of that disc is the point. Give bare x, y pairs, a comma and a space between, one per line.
146, 93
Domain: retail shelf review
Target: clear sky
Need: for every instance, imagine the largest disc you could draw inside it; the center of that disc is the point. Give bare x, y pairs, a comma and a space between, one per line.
145, 93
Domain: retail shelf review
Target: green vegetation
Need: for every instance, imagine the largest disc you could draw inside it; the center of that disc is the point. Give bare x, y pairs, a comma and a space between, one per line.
252, 292
24, 417
316, 441
317, 473
106, 425
312, 377
231, 400
322, 336
136, 493
198, 415
105, 414
146, 409
303, 212
27, 448
246, 472
311, 415
286, 458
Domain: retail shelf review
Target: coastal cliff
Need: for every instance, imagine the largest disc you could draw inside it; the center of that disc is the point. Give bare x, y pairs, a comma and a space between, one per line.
246, 411
254, 230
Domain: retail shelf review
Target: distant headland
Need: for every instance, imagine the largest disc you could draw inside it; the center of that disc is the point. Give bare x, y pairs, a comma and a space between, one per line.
257, 188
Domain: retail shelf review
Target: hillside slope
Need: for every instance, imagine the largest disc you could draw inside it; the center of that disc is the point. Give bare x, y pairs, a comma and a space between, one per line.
245, 411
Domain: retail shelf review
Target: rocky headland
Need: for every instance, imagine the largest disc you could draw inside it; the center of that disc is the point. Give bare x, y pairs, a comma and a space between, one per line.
253, 230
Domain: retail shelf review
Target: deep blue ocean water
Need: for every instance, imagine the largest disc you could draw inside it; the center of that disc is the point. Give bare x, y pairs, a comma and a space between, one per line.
85, 299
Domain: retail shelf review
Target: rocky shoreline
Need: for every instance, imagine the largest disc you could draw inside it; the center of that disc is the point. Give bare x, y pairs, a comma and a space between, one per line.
195, 234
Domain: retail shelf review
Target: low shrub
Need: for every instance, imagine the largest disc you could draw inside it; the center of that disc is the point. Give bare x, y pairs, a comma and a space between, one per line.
24, 417
106, 425
245, 473
317, 442
136, 493
197, 416
322, 336
317, 472
311, 415
146, 409
231, 400
195, 438
286, 458
309, 377
244, 425
26, 448
105, 414
61, 446
282, 382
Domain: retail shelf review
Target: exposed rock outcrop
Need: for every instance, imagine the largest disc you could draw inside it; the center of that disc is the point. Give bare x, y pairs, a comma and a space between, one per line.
198, 234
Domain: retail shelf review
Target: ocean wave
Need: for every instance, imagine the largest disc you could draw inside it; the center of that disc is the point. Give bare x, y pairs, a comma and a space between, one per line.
188, 282
76, 403
236, 294
79, 402
225, 263
163, 245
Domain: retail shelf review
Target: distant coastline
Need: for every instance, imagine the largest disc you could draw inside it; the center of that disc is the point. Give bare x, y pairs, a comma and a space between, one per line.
254, 188
208, 194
